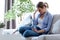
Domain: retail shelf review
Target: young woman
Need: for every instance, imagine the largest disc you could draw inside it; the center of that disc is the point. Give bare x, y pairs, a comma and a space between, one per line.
41, 24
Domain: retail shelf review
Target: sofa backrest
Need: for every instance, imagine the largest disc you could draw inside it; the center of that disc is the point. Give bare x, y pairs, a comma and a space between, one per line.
55, 18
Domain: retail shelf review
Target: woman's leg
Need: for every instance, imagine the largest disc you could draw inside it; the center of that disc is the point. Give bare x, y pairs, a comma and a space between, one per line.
23, 29
30, 33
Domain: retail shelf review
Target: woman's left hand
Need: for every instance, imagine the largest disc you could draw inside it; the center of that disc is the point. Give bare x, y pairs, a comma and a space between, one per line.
36, 30
39, 31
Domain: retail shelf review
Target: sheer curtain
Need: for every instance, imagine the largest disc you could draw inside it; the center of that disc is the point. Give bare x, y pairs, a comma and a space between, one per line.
2, 6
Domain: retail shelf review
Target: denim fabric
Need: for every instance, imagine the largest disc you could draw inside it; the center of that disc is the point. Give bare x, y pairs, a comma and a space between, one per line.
28, 32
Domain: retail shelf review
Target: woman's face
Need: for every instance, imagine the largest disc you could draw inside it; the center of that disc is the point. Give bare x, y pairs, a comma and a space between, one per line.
42, 10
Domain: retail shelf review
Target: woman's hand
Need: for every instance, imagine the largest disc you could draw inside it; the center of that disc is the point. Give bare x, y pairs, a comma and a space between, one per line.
35, 11
38, 31
34, 29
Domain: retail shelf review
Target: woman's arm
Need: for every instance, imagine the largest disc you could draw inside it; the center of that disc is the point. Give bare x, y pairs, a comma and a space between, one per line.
48, 26
39, 31
49, 23
34, 19
34, 14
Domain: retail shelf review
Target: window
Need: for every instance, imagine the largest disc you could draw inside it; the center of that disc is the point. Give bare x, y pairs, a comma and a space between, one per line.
11, 23
2, 7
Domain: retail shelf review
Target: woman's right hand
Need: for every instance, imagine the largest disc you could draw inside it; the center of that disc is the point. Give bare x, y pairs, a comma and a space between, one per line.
34, 28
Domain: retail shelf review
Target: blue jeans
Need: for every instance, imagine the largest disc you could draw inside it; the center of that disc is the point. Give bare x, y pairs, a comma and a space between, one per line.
28, 32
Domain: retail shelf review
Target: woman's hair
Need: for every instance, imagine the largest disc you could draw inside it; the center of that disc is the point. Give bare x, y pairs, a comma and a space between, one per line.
46, 4
42, 4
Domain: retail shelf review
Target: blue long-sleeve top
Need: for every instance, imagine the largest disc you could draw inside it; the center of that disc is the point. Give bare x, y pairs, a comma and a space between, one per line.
46, 21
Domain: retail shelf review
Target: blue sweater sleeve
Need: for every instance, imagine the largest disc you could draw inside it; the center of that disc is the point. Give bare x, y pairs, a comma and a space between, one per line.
49, 23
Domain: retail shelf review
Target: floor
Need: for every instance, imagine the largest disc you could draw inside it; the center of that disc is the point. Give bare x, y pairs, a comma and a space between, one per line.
6, 35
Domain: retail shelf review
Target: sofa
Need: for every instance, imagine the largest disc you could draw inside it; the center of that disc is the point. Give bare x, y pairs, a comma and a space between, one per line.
49, 36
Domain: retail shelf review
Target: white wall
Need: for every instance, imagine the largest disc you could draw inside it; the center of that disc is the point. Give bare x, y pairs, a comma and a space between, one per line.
54, 5
2, 6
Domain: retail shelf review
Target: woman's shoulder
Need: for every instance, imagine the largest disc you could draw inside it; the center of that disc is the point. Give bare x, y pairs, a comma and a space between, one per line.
49, 14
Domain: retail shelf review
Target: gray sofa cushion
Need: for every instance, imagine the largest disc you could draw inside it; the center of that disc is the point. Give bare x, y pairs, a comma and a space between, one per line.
41, 37
11, 37
56, 27
52, 37
55, 18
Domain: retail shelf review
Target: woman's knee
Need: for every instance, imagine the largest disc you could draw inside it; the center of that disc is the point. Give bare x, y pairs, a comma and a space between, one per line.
29, 33
26, 33
21, 29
